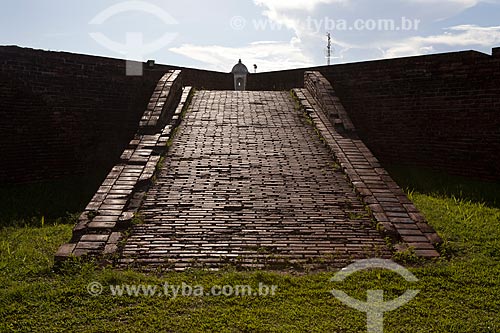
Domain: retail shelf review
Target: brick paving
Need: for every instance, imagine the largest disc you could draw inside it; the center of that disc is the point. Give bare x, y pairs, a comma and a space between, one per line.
248, 182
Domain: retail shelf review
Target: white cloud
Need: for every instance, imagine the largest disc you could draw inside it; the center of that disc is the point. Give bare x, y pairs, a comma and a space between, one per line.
468, 35
268, 55
456, 3
308, 42
443, 9
280, 5
352, 45
462, 36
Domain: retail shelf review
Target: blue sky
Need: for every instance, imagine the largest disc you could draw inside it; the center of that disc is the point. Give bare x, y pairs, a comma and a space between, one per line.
274, 34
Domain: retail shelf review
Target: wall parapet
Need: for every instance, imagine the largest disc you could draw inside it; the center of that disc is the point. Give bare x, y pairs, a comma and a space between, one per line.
322, 91
396, 216
113, 208
437, 111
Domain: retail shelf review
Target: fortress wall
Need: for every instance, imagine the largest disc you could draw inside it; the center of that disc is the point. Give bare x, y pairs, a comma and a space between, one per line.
437, 111
65, 114
440, 112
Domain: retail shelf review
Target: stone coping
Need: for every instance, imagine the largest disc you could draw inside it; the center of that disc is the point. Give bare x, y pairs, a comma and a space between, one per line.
112, 209
395, 214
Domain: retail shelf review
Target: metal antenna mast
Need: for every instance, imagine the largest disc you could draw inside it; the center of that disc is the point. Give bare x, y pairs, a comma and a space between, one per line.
329, 48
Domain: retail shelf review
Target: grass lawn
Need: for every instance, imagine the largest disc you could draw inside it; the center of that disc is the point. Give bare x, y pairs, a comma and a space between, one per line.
460, 292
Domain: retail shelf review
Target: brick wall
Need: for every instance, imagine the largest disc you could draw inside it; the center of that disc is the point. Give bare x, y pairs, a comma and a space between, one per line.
440, 111
282, 80
322, 92
64, 114
208, 80
437, 111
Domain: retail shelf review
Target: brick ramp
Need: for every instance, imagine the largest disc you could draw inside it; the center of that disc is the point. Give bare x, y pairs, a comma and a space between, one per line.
394, 213
248, 182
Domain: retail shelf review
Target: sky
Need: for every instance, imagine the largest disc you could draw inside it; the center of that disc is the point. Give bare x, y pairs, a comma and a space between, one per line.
272, 34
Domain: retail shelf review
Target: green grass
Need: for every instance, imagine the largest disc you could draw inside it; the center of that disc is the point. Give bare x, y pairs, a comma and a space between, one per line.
458, 293
425, 180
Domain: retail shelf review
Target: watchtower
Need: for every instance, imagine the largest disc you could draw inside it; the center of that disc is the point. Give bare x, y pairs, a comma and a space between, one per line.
240, 73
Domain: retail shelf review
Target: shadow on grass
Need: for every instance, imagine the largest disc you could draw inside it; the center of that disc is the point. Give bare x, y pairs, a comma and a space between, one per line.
428, 181
57, 201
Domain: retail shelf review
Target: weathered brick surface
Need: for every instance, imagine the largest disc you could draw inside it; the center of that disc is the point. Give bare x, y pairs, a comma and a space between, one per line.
435, 111
248, 182
65, 114
165, 95
319, 87
68, 114
112, 208
72, 114
439, 112
396, 215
